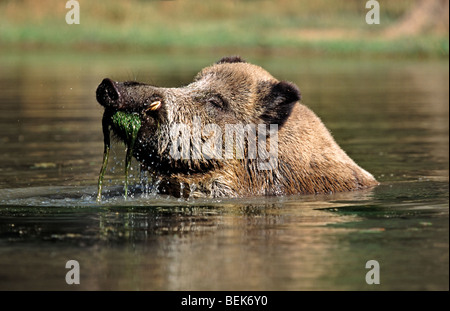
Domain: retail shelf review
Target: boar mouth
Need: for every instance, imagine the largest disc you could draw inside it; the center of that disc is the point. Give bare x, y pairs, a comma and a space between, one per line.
124, 115
124, 110
126, 126
123, 124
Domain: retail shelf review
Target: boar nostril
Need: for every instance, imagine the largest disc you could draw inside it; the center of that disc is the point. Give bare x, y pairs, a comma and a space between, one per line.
107, 93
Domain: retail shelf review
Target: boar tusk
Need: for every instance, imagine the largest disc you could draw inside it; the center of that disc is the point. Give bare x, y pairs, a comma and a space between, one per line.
155, 105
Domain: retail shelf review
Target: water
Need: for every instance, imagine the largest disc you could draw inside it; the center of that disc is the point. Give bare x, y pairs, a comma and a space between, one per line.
390, 116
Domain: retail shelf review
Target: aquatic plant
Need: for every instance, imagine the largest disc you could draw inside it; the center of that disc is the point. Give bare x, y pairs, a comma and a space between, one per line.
127, 126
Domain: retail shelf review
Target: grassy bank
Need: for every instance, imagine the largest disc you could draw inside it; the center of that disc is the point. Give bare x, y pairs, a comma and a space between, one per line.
299, 26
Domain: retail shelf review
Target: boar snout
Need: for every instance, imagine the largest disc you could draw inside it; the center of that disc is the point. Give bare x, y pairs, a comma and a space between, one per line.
108, 93
129, 96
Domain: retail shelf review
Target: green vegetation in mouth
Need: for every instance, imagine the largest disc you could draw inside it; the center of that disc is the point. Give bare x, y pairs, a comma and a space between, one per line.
128, 124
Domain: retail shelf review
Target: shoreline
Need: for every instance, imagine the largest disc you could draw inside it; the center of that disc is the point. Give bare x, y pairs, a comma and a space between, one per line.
402, 48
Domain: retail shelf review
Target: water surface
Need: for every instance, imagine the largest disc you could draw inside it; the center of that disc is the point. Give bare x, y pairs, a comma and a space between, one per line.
391, 116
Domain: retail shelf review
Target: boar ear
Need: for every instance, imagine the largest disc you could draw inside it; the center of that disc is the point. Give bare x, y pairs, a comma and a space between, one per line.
231, 60
278, 103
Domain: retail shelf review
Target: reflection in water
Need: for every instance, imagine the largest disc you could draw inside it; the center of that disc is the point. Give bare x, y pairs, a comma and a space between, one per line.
392, 118
174, 245
294, 243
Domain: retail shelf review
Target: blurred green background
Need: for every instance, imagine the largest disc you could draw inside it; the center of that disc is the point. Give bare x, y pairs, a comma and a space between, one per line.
407, 27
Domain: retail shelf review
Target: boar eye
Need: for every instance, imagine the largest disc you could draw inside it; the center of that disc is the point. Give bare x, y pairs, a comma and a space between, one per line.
217, 102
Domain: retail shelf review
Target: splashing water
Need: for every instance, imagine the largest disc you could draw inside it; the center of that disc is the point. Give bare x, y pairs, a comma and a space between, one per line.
127, 125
